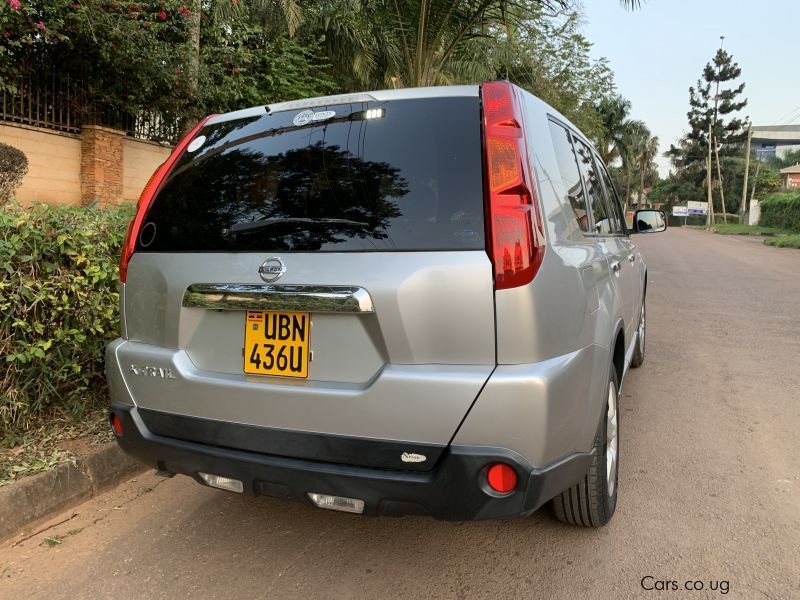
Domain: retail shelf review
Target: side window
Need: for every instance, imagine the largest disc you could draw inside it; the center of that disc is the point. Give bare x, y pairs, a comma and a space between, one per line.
613, 200
568, 165
602, 222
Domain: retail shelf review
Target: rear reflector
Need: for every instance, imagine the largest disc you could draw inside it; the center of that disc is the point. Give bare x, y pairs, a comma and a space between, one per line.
147, 196
223, 483
501, 478
515, 235
351, 505
116, 425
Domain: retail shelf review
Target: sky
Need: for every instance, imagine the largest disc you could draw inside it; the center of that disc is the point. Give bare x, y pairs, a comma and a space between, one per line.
660, 49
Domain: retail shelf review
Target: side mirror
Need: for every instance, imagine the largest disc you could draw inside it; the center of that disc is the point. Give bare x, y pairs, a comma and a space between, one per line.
649, 221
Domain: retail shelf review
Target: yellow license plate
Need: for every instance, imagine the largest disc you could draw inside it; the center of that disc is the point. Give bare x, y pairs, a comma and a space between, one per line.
276, 343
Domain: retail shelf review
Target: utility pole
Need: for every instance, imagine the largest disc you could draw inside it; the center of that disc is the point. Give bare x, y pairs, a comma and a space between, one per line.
743, 207
710, 211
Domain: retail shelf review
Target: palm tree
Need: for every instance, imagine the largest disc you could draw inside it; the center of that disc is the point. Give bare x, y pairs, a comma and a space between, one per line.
409, 43
404, 43
618, 128
631, 139
647, 152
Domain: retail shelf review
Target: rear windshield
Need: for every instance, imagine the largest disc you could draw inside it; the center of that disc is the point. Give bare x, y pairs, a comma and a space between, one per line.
398, 175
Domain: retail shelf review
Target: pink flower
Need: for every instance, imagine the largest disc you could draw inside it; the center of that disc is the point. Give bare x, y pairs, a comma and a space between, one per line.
14, 4
185, 12
162, 15
40, 25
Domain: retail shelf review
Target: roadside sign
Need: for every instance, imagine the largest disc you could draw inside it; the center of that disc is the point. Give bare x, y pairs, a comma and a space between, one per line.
697, 208
679, 211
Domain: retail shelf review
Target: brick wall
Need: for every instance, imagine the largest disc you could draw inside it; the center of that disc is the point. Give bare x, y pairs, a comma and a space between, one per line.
101, 164
54, 164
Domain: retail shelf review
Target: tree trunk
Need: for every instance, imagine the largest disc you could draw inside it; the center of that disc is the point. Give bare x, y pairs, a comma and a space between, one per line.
721, 190
627, 192
641, 178
192, 66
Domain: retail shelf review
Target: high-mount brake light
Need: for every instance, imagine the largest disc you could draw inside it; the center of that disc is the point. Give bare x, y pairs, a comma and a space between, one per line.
146, 198
515, 236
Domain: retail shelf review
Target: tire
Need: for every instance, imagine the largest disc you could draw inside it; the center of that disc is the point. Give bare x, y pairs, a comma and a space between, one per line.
592, 502
638, 353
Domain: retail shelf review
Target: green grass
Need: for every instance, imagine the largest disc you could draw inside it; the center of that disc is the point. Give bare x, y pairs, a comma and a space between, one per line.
737, 229
784, 241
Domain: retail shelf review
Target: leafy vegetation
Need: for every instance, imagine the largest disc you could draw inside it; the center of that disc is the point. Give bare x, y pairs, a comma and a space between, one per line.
180, 59
13, 167
741, 229
782, 210
58, 307
784, 241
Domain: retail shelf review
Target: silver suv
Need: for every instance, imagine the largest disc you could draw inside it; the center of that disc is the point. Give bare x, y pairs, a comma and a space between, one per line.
417, 301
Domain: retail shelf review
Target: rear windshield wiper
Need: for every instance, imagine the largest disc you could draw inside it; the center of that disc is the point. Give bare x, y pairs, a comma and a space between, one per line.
270, 221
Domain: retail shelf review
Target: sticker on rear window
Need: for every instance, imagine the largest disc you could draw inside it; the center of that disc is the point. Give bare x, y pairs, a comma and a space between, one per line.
307, 116
196, 144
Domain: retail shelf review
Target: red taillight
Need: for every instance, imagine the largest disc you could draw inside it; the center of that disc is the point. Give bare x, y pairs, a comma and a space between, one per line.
515, 237
116, 425
501, 478
146, 198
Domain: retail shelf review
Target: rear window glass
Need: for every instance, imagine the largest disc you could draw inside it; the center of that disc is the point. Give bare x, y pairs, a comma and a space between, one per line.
399, 175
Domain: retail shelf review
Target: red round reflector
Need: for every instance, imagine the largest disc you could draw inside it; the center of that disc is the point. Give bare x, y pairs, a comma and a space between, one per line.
501, 478
116, 425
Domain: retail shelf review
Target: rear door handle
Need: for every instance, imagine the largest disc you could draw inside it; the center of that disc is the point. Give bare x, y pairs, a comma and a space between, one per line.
632, 257
615, 266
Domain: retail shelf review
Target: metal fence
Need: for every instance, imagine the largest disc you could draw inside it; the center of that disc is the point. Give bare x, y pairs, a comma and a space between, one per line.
64, 105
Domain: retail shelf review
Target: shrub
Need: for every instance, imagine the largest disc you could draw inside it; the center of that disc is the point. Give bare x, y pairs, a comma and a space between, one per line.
58, 307
782, 210
13, 167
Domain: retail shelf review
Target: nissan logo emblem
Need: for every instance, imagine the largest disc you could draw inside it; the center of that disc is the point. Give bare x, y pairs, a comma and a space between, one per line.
272, 269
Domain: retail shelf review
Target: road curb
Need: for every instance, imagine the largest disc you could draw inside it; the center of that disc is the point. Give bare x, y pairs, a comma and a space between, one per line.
35, 498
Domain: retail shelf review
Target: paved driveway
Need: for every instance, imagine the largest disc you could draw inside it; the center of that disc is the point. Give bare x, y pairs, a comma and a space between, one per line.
709, 484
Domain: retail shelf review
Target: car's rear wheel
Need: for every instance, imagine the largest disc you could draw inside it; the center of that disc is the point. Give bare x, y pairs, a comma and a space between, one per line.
638, 353
591, 503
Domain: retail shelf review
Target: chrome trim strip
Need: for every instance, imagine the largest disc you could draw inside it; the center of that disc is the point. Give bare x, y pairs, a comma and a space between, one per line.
311, 298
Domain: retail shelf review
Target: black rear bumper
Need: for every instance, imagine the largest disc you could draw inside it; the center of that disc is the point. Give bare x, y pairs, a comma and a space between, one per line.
453, 490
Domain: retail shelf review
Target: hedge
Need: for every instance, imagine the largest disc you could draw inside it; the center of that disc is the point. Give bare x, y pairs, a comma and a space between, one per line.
58, 307
782, 210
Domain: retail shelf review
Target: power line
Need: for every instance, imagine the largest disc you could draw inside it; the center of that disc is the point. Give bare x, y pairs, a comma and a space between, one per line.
789, 114
795, 117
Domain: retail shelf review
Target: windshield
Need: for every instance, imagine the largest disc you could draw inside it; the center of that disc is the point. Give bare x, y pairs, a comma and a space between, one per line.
399, 175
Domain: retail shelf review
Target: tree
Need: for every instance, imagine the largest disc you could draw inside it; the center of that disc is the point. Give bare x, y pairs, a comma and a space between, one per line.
630, 141
646, 155
409, 43
271, 14
714, 102
545, 53
619, 131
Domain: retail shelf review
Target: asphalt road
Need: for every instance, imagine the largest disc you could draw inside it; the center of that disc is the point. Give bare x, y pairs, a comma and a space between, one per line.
709, 484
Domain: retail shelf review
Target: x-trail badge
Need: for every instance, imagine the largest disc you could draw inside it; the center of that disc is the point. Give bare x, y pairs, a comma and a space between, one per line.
272, 269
